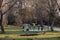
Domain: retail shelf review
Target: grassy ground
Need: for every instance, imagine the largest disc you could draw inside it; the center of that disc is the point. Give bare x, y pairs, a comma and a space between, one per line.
31, 39
13, 33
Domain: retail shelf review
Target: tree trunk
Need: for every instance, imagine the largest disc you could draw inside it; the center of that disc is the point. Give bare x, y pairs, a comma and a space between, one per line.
41, 23
52, 24
2, 27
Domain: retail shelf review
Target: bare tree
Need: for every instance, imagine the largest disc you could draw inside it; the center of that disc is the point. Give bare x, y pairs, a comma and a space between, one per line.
39, 14
2, 28
52, 11
2, 13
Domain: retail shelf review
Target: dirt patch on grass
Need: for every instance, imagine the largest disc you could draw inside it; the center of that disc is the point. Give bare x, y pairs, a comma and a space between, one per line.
29, 35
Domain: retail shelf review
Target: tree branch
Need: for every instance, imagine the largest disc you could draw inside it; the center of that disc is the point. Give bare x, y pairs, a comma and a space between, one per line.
10, 7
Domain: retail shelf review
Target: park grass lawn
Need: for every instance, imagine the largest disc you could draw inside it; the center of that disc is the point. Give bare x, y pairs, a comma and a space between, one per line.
12, 33
47, 35
31, 39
